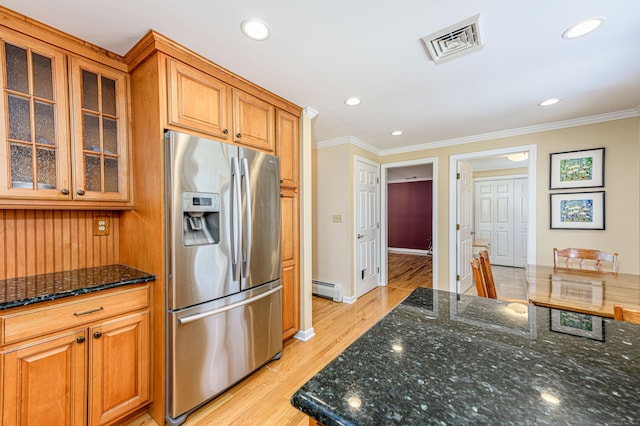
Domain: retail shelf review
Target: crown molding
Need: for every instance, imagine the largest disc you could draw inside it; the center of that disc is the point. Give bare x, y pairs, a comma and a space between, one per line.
594, 119
310, 113
618, 115
347, 140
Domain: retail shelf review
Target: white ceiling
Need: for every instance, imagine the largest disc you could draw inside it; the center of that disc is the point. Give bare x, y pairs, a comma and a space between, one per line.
322, 52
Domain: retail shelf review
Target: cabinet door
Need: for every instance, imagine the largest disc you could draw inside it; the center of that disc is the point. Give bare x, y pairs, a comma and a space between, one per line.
253, 121
44, 382
197, 101
118, 367
99, 100
290, 263
287, 137
33, 128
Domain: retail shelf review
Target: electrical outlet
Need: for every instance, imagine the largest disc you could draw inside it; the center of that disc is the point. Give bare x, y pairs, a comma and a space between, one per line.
336, 218
101, 225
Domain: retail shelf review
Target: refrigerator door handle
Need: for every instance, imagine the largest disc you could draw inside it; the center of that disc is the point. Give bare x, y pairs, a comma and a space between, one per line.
196, 317
246, 231
236, 216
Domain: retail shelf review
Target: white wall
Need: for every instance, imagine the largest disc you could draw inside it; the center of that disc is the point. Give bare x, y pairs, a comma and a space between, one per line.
332, 196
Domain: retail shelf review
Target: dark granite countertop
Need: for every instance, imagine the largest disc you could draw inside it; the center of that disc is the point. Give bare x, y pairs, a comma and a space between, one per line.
439, 358
39, 288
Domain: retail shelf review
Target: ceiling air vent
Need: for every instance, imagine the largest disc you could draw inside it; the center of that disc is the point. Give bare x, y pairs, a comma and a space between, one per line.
455, 40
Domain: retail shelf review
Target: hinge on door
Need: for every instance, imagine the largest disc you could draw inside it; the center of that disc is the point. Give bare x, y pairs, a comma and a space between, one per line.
377, 180
378, 225
378, 270
457, 277
457, 226
457, 175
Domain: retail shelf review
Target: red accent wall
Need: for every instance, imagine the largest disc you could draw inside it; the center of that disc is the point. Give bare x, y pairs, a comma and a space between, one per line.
409, 214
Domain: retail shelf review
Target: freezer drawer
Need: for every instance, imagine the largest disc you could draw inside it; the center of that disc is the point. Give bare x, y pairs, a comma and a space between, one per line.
212, 347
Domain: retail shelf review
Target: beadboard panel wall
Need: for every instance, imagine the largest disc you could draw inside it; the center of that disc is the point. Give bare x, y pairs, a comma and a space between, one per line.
42, 241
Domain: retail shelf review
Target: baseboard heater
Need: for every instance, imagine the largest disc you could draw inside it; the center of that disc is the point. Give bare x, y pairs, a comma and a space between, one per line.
327, 290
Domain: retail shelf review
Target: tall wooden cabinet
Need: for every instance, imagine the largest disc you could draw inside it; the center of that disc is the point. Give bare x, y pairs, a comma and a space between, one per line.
287, 136
174, 89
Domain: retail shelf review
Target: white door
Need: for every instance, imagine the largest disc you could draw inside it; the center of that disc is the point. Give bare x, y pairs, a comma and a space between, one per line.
464, 226
367, 226
501, 208
521, 228
483, 210
501, 252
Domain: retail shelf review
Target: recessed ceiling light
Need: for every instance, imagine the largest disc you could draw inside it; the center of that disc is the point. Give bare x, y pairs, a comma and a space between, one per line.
550, 101
396, 133
255, 29
583, 28
352, 101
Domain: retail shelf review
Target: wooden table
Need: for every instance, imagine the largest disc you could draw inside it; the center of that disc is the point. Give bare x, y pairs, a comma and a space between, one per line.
581, 291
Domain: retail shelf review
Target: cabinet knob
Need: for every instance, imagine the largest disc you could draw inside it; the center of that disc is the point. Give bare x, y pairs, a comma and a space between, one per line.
64, 191
80, 339
80, 191
238, 135
97, 335
225, 131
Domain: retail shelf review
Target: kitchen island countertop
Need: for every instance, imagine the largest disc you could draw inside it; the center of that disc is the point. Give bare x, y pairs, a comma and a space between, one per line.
439, 358
56, 285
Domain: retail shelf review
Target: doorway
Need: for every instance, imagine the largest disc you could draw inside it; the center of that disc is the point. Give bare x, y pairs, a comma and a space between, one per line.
475, 158
413, 170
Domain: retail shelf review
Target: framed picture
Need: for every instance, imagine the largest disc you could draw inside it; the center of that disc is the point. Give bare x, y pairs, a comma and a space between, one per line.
577, 169
577, 210
577, 324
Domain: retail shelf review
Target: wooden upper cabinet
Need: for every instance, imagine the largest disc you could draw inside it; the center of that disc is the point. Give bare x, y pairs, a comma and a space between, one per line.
287, 136
33, 120
197, 101
253, 121
99, 100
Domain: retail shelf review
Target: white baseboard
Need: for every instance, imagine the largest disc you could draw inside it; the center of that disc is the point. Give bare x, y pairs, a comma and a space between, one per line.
305, 335
409, 251
349, 299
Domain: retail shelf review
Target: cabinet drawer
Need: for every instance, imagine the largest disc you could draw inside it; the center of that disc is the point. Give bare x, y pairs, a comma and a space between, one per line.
76, 311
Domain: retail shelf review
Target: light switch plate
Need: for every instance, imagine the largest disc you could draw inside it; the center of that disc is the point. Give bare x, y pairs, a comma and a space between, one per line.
336, 218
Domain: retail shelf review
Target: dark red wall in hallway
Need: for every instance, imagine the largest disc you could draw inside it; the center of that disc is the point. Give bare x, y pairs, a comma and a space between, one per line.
409, 214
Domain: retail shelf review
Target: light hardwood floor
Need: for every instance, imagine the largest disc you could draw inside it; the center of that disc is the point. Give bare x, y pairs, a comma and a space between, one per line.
263, 398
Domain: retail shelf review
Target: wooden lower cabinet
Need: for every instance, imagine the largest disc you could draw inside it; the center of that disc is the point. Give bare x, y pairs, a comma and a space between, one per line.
44, 382
289, 219
118, 367
92, 374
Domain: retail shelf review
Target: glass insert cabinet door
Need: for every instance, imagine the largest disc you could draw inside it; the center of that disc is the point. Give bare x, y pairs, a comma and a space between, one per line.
33, 120
99, 132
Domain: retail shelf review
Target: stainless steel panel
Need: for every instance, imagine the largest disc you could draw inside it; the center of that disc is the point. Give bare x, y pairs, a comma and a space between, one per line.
213, 346
262, 211
199, 273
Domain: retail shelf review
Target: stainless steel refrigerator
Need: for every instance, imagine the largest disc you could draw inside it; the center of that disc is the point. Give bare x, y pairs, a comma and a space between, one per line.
224, 296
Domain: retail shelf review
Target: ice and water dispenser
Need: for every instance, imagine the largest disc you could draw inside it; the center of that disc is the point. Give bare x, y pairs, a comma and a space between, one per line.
201, 218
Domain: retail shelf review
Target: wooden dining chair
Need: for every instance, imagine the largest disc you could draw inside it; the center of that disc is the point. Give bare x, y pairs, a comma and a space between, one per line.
478, 278
586, 259
626, 314
487, 273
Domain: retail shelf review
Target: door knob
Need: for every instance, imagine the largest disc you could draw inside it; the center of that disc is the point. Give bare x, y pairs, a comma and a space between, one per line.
80, 191
360, 236
97, 334
80, 339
